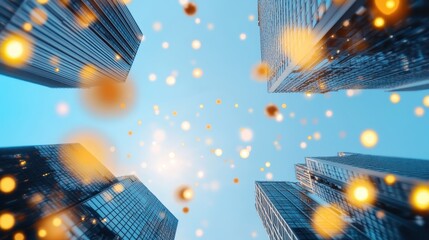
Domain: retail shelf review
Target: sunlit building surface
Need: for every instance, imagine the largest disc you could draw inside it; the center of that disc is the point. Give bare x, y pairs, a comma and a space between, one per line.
329, 45
57, 196
287, 211
67, 43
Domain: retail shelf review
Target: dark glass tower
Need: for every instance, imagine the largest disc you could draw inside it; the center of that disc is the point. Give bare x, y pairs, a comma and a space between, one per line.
329, 45
63, 192
67, 43
391, 215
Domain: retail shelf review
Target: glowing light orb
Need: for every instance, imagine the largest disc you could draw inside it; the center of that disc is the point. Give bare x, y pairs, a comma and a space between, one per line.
267, 164
379, 22
165, 45
27, 27
152, 77
246, 134
170, 81
243, 36
42, 233
419, 111
426, 101
7, 184
395, 98
62, 109
271, 110
157, 26
328, 221
185, 210
186, 126
218, 152
387, 7
236, 180
42, 1
38, 16
7, 221
196, 44
361, 192
185, 194
19, 236
420, 198
15, 51
244, 153
390, 179
329, 113
199, 233
303, 145
57, 222
197, 73
369, 138
190, 9
261, 72
269, 176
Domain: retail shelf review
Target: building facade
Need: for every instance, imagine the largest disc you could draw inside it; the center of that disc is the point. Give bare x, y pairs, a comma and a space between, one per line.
317, 46
67, 43
389, 185
63, 192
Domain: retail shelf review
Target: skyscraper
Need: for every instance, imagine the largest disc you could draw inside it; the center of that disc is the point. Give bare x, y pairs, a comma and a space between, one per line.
67, 43
383, 197
329, 45
63, 192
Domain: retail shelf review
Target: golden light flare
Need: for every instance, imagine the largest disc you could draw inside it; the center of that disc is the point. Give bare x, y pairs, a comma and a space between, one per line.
27, 27
190, 8
261, 72
38, 16
419, 198
328, 221
108, 97
7, 184
299, 45
94, 145
390, 179
57, 222
126, 2
85, 17
7, 221
387, 7
15, 50
42, 1
185, 210
426, 101
197, 73
395, 98
185, 194
42, 233
196, 44
361, 192
419, 111
236, 180
369, 138
19, 236
379, 22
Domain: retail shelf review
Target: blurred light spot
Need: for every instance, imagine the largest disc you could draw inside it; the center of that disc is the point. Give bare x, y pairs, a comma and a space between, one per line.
208, 126
19, 236
303, 145
200, 174
27, 27
390, 179
419, 111
420, 198
7, 221
196, 44
210, 26
395, 98
185, 210
38, 16
299, 45
379, 22
251, 18
62, 109
218, 152
328, 222
152, 77
236, 105
185, 193
218, 101
15, 51
197, 20
157, 26
269, 176
243, 36
118, 188
199, 233
165, 45
246, 134
271, 110
244, 153
369, 138
261, 169
426, 101
56, 222
267, 164
261, 72
361, 192
197, 73
126, 2
7, 184
284, 105
186, 126
387, 7
236, 180
190, 8
171, 80
317, 136
329, 113
279, 117
42, 233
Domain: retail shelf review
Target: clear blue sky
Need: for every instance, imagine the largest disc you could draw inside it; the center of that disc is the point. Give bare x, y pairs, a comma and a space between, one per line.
221, 209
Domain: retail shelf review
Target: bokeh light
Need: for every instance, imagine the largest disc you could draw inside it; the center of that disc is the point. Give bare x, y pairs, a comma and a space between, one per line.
419, 111
246, 134
390, 179
190, 8
379, 22
369, 138
244, 153
19, 236
197, 73
420, 198
185, 210
361, 192
185, 194
328, 221
387, 7
15, 50
261, 72
38, 16
271, 110
426, 101
7, 184
395, 98
7, 221
186, 126
196, 44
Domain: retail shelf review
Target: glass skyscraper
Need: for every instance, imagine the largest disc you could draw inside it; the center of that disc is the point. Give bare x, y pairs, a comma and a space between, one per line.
63, 192
67, 43
391, 215
329, 45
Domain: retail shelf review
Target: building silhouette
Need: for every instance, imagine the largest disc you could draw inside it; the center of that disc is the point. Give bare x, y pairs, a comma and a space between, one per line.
67, 43
328, 181
329, 45
63, 192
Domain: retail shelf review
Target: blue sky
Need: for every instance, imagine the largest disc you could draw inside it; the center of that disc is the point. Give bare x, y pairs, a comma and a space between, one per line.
221, 209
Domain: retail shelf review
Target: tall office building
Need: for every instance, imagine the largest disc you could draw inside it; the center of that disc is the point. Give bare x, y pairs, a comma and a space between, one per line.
383, 197
67, 43
63, 192
328, 45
